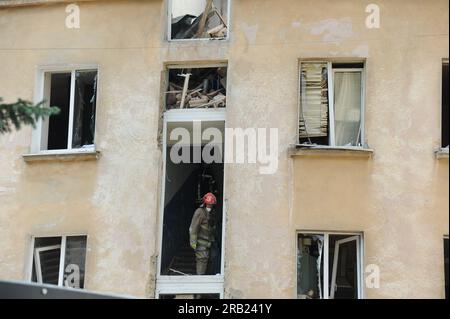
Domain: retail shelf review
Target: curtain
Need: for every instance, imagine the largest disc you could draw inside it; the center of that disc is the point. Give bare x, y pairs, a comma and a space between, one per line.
313, 120
347, 108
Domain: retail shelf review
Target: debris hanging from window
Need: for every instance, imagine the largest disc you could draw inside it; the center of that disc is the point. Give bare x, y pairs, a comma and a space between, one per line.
199, 19
196, 88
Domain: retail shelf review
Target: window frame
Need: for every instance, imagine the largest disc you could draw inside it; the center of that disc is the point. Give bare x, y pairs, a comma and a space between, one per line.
62, 256
442, 148
445, 238
326, 235
169, 26
37, 261
42, 93
331, 119
197, 284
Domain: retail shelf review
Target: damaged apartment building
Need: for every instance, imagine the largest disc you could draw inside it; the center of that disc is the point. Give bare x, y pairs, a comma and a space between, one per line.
115, 194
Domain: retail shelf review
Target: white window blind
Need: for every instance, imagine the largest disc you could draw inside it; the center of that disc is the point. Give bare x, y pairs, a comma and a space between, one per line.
313, 100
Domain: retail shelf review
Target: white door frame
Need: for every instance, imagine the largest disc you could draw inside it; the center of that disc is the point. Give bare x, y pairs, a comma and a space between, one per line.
189, 284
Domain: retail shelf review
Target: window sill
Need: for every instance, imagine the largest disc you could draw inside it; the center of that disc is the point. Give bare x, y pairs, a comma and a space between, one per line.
63, 156
324, 150
441, 153
190, 40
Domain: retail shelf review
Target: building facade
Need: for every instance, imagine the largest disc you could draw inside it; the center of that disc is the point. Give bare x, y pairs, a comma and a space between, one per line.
358, 203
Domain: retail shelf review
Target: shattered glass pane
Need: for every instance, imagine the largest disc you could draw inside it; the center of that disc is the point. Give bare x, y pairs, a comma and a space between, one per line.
309, 265
84, 109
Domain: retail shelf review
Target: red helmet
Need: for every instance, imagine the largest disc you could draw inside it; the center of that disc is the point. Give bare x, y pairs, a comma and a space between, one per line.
209, 199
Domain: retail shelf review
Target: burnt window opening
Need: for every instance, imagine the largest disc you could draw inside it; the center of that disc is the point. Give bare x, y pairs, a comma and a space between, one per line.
196, 88
445, 113
198, 19
342, 273
58, 133
50, 253
331, 104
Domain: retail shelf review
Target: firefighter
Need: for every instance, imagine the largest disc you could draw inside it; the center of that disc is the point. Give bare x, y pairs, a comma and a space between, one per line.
202, 231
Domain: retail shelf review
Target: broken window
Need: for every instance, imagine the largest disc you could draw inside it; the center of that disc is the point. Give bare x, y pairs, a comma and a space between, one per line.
196, 88
191, 234
75, 93
445, 113
329, 266
446, 267
331, 103
198, 19
59, 261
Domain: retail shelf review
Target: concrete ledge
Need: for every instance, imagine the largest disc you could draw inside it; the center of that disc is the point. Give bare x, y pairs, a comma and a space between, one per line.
324, 150
441, 153
62, 156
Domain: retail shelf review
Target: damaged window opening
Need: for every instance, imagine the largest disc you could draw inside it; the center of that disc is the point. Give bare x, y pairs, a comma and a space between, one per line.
331, 104
75, 93
192, 234
59, 261
198, 19
445, 113
196, 88
329, 266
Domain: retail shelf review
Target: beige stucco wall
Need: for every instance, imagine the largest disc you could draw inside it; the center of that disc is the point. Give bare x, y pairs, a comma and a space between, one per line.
398, 198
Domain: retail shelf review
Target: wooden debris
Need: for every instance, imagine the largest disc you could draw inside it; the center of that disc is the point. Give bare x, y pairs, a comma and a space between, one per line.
220, 17
185, 88
218, 32
201, 27
197, 89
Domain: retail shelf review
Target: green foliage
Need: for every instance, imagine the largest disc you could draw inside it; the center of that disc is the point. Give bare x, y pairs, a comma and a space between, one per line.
22, 113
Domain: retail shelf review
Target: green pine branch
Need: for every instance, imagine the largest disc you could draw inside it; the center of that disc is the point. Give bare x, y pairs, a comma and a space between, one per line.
22, 113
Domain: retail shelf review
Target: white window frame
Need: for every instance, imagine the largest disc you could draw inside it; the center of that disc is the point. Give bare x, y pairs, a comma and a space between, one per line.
42, 91
443, 149
358, 236
330, 78
192, 284
446, 237
169, 26
34, 255
37, 262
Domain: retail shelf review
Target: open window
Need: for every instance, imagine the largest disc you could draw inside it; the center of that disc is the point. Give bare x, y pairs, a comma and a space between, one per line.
329, 266
445, 113
193, 167
198, 19
331, 104
75, 93
59, 261
196, 88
